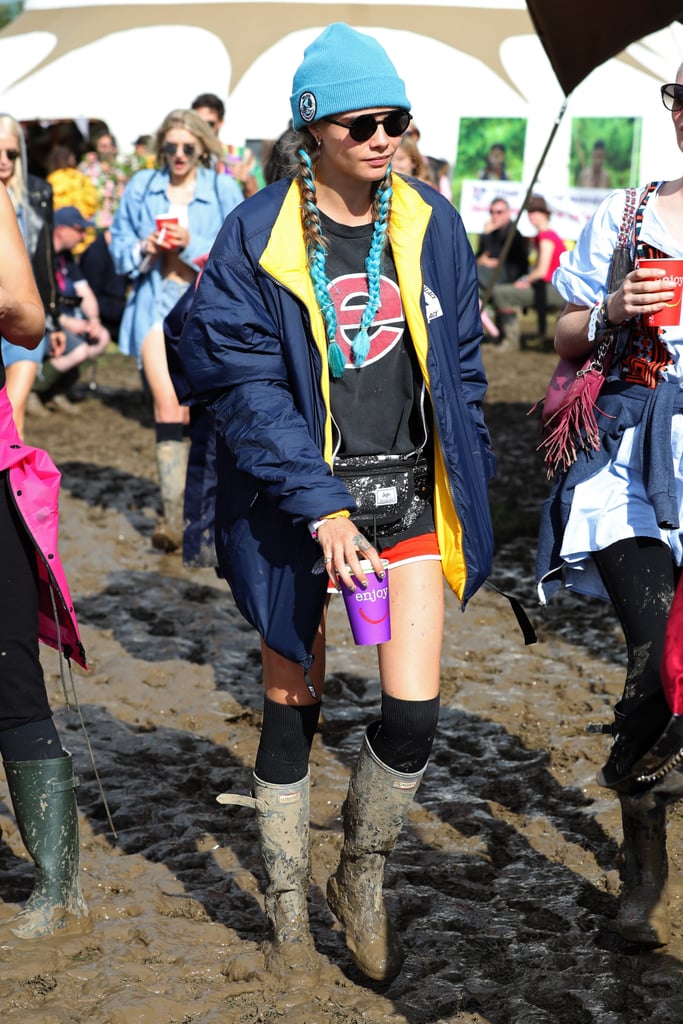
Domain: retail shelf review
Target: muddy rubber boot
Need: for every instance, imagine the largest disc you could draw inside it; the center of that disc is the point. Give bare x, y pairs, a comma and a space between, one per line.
44, 803
282, 816
643, 915
172, 459
508, 324
373, 813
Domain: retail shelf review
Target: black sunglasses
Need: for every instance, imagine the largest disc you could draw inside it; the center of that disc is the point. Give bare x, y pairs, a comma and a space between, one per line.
11, 154
171, 148
364, 127
672, 96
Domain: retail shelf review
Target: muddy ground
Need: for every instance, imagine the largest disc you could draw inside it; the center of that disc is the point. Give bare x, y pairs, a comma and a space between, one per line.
504, 882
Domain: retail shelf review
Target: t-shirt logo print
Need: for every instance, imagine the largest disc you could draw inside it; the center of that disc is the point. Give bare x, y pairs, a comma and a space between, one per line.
350, 296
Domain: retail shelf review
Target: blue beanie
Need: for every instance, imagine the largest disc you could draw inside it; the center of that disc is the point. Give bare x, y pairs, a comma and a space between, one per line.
344, 70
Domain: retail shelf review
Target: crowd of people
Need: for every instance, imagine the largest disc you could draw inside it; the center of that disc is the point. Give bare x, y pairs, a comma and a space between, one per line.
349, 440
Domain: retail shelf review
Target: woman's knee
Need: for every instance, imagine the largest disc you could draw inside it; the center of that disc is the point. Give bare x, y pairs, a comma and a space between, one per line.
285, 743
403, 737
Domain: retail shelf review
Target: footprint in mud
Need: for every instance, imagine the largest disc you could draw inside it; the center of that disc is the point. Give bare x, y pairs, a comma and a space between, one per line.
106, 487
157, 618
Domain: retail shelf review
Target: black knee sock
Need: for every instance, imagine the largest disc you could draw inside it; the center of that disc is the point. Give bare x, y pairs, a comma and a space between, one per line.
403, 738
285, 744
35, 741
169, 432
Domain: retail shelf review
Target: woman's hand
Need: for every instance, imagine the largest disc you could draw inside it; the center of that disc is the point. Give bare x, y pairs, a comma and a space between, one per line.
57, 343
175, 237
150, 245
343, 547
641, 293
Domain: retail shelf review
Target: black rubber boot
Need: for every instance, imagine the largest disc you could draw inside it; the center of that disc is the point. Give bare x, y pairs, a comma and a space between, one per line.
643, 915
374, 812
44, 803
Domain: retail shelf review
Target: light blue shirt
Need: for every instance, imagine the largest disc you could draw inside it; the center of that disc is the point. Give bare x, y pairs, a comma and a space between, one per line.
145, 198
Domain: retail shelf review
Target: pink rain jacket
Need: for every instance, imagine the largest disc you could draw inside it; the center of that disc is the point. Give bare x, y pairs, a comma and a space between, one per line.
34, 483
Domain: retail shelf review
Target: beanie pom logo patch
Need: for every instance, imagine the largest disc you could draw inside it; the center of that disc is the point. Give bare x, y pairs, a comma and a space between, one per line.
308, 107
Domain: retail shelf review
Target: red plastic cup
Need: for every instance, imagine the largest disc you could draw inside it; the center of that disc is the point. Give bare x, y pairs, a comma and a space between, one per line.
163, 221
368, 609
670, 316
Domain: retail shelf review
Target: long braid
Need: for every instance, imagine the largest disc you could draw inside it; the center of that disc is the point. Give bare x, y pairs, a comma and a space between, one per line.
316, 254
373, 268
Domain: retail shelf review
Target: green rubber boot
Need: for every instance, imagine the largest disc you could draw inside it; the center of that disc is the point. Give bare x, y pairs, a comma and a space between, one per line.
373, 813
643, 915
44, 803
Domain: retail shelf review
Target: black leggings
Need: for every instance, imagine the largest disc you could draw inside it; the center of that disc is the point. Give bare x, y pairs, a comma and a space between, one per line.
640, 576
22, 687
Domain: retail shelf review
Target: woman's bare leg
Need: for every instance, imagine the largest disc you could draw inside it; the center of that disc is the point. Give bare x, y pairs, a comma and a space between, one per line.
167, 408
409, 663
19, 379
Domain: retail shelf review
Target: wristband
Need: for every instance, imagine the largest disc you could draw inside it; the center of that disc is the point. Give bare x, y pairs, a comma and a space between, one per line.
315, 524
593, 321
599, 320
606, 322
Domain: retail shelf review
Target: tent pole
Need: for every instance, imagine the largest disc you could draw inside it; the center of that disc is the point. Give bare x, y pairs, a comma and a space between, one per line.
513, 226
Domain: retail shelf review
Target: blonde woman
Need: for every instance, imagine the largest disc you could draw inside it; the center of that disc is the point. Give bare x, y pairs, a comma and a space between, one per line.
162, 265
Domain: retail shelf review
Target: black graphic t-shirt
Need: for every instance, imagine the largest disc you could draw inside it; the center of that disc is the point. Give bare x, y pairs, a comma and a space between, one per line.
376, 407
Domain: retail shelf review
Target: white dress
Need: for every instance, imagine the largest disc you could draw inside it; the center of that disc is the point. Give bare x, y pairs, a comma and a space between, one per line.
613, 504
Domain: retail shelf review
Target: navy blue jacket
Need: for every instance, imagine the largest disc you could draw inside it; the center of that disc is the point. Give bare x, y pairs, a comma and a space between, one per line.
253, 348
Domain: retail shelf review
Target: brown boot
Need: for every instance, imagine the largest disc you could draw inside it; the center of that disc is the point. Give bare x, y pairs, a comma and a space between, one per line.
643, 915
373, 813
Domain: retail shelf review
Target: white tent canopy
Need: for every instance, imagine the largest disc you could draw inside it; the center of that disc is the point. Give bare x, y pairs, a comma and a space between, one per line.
130, 63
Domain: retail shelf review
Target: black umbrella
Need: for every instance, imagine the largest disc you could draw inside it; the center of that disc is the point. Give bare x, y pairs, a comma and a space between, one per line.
580, 35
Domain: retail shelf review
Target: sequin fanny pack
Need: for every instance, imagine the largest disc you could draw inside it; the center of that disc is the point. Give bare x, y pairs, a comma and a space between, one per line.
391, 491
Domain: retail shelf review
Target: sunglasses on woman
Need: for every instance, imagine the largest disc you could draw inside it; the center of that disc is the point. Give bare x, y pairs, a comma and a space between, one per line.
11, 154
364, 127
672, 96
170, 148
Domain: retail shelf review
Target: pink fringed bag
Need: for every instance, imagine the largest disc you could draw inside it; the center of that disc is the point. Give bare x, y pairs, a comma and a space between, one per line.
568, 416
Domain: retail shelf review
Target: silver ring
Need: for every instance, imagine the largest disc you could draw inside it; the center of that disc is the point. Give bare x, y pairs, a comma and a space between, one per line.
327, 561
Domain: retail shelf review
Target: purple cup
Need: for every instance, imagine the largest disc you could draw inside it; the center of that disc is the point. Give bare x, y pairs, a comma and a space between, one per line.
368, 609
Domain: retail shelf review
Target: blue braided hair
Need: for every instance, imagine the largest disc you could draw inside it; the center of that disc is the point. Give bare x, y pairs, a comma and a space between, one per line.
360, 345
316, 254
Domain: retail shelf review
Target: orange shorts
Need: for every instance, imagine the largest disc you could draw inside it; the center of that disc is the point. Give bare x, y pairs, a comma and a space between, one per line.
416, 549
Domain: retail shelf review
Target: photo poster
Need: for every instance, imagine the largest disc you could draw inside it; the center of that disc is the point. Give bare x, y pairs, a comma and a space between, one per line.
570, 207
604, 152
489, 147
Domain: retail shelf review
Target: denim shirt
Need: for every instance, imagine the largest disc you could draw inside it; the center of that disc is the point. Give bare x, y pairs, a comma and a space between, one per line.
145, 198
